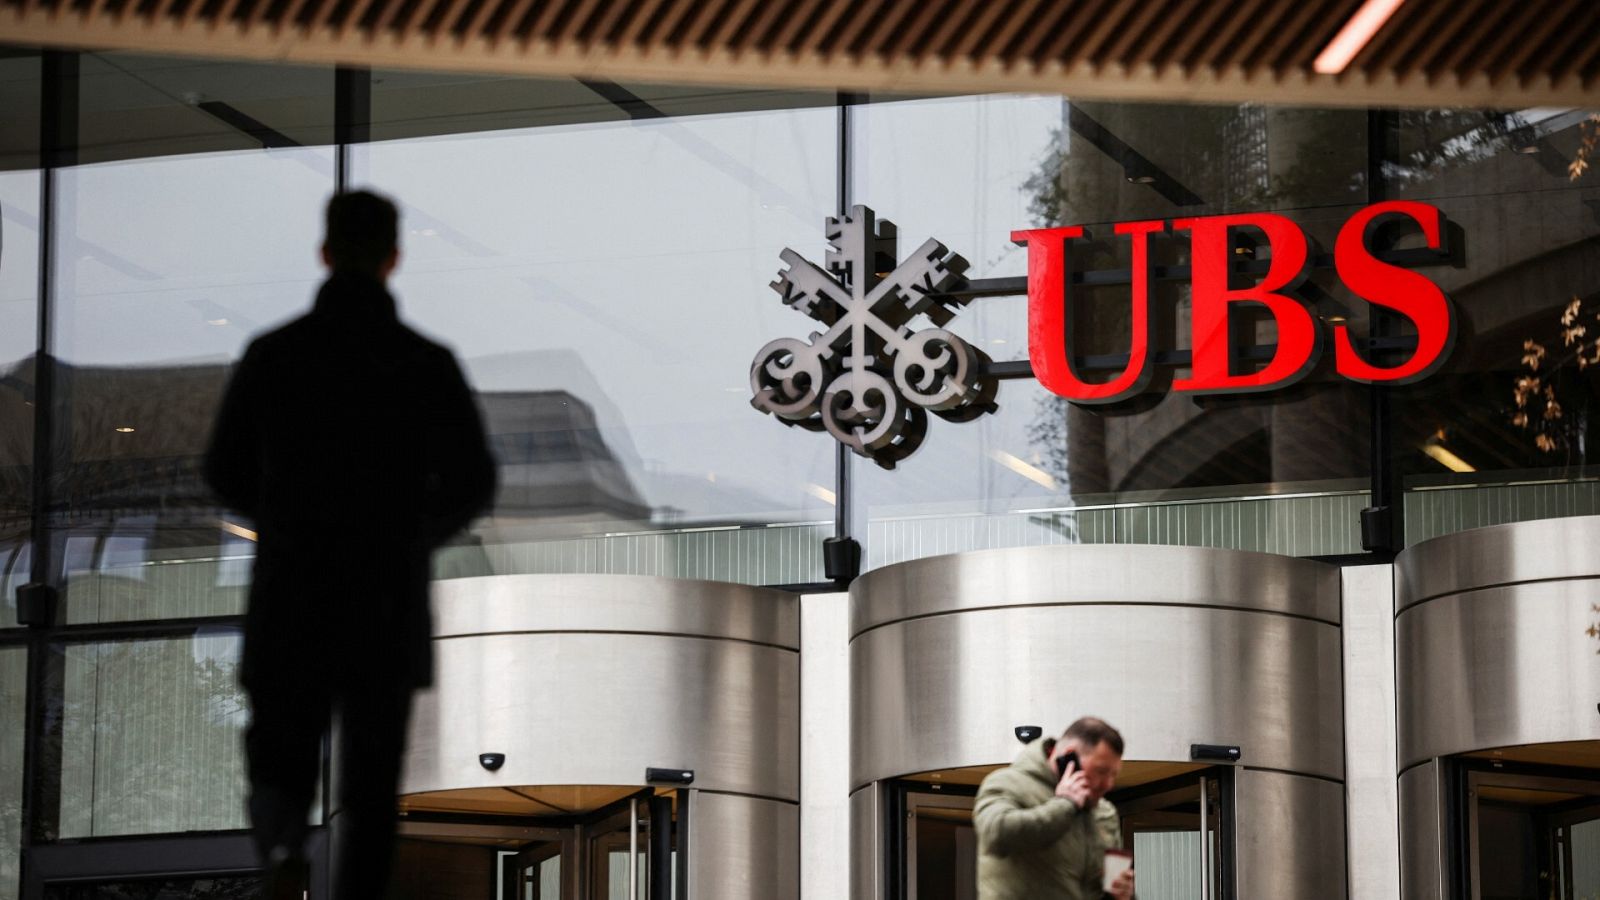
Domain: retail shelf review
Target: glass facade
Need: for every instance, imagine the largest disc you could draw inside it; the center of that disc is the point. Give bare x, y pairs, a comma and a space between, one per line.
598, 256
1283, 473
595, 277
190, 225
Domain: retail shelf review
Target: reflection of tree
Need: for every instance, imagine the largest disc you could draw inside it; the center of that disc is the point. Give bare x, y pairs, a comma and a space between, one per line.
151, 740
1438, 140
1048, 435
1546, 403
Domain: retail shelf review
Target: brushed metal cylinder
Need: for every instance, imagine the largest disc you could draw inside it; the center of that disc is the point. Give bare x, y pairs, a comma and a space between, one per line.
1290, 835
1518, 553
744, 847
642, 604
1124, 574
1501, 662
1215, 646
588, 680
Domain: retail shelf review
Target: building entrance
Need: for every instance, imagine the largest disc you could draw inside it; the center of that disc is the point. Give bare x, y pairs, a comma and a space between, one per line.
1175, 818
532, 849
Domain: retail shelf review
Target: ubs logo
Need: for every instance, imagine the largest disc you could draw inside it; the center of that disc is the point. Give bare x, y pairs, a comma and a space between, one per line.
868, 379
1217, 286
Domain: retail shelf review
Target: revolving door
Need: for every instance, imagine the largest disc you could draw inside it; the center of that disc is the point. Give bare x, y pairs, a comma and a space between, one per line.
624, 850
1177, 826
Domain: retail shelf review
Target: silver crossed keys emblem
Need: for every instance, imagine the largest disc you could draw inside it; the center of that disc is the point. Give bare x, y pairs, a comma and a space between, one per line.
869, 379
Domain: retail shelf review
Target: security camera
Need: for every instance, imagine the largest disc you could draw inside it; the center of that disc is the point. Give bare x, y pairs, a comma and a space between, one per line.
1027, 734
491, 761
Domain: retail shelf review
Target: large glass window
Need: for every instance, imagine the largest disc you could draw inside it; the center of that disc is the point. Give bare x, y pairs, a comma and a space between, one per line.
1504, 432
166, 266
151, 737
1283, 472
604, 280
19, 302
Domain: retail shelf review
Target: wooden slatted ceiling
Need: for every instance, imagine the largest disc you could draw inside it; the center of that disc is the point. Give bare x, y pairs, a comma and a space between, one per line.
1430, 52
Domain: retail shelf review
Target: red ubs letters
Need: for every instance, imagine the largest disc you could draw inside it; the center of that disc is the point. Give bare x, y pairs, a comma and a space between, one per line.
1299, 334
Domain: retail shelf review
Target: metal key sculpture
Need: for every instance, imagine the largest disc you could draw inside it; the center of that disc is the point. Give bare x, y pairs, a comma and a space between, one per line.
869, 380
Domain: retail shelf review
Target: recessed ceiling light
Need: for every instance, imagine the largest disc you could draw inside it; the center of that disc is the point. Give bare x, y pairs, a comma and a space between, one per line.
125, 429
216, 321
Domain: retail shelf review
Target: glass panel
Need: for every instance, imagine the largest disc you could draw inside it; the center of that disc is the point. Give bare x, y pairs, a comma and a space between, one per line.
549, 878
151, 736
1168, 864
1164, 831
13, 706
1584, 841
947, 854
166, 268
1283, 472
1503, 432
19, 293
605, 287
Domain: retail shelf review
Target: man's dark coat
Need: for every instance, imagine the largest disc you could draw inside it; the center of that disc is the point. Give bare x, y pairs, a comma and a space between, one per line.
354, 445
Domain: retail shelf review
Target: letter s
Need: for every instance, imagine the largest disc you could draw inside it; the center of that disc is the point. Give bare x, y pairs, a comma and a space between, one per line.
1390, 286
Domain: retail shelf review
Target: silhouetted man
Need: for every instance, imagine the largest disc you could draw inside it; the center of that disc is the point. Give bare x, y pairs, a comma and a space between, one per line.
354, 445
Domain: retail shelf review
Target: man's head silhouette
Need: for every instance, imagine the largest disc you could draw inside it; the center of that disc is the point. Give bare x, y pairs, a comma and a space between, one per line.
362, 236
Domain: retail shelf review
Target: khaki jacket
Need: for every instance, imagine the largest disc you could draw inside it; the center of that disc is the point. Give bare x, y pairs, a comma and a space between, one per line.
1033, 845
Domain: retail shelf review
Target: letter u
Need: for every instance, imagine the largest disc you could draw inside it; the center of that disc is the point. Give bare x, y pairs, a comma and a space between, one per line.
1050, 313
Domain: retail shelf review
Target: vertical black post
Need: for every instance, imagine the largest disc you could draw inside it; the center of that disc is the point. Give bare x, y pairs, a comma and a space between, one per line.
352, 119
841, 554
37, 605
685, 798
660, 852
841, 512
1382, 524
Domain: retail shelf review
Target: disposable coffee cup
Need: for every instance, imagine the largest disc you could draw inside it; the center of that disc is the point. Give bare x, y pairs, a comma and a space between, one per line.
1117, 862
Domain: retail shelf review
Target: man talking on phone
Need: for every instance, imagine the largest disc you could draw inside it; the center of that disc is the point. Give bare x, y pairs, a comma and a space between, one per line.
1044, 824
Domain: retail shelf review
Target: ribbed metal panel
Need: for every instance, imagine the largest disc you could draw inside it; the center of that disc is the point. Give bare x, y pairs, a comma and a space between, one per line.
1308, 525
1431, 513
1429, 50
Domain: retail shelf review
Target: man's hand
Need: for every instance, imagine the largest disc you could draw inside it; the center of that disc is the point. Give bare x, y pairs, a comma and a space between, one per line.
1122, 888
1074, 786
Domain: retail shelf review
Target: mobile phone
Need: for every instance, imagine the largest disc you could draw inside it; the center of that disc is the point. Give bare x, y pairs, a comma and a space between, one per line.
1063, 759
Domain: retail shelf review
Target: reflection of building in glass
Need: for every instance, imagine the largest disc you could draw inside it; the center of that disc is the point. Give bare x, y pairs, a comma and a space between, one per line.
554, 462
1245, 143
133, 441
